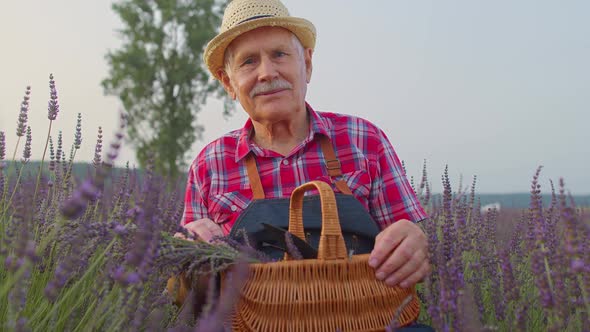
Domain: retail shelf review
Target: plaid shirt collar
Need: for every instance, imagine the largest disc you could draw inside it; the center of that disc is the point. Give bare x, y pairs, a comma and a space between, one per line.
318, 125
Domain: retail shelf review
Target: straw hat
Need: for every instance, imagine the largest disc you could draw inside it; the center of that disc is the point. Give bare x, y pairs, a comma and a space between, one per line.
241, 16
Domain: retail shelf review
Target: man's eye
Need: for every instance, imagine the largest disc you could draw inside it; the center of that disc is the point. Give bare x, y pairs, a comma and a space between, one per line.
247, 62
280, 54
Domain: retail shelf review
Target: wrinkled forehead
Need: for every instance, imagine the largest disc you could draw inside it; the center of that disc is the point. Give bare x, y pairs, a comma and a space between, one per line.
269, 34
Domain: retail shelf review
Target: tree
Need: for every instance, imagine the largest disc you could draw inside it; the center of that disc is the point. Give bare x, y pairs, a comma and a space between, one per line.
160, 78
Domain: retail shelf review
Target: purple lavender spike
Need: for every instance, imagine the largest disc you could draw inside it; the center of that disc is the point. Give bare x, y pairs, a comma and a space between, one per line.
98, 149
2, 156
522, 317
214, 319
59, 151
511, 290
27, 149
120, 229
81, 238
115, 145
53, 105
21, 325
2, 146
78, 135
88, 190
133, 278
538, 250
51, 155
74, 207
23, 114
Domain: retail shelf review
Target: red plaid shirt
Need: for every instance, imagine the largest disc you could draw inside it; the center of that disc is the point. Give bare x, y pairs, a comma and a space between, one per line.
218, 186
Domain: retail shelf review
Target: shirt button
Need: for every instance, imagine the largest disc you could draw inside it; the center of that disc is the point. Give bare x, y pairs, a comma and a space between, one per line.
285, 162
218, 196
234, 208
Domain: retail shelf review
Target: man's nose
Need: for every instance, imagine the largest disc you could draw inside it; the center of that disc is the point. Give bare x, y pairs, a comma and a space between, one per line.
267, 71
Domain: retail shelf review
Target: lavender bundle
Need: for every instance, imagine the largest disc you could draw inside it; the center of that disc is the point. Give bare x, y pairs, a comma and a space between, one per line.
198, 257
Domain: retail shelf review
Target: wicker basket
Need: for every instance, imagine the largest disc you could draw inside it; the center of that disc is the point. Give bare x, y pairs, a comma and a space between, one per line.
330, 293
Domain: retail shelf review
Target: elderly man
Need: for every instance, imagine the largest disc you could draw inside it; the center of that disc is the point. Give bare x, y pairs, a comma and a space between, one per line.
242, 180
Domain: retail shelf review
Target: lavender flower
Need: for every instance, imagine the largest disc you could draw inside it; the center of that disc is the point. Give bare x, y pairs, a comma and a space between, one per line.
23, 115
51, 155
23, 250
2, 156
464, 241
477, 282
98, 148
291, 248
13, 264
575, 254
424, 179
59, 150
423, 197
539, 251
432, 282
52, 106
116, 144
511, 290
2, 146
394, 324
451, 258
120, 229
577, 265
74, 207
71, 159
89, 190
146, 245
521, 317
215, 318
61, 276
516, 242
78, 135
449, 228
573, 245
77, 245
27, 149
64, 164
497, 294
21, 325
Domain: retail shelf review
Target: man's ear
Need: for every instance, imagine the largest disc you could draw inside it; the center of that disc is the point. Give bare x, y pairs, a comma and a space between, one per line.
308, 54
225, 81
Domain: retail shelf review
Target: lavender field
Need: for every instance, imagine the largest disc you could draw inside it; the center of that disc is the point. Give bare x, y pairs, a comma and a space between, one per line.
94, 253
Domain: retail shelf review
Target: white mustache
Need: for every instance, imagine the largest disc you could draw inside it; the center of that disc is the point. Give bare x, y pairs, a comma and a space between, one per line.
269, 86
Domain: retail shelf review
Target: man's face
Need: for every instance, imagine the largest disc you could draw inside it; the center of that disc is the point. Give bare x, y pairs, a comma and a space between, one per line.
268, 72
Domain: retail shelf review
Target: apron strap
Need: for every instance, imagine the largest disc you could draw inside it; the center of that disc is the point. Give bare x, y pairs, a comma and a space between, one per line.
332, 164
254, 177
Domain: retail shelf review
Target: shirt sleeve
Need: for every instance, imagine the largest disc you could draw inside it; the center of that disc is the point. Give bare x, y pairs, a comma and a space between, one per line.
197, 189
392, 197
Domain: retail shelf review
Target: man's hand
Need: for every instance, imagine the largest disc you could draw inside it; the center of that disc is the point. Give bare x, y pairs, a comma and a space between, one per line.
400, 255
205, 229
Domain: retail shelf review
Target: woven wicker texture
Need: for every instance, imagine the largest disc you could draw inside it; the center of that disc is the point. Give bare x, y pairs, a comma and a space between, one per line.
239, 11
332, 292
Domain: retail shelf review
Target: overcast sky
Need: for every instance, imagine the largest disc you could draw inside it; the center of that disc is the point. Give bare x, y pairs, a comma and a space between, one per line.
492, 89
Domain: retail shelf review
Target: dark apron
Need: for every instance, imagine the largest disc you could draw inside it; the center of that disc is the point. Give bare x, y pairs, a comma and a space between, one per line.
358, 227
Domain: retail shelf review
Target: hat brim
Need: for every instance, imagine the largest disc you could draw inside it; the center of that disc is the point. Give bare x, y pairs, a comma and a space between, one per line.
215, 51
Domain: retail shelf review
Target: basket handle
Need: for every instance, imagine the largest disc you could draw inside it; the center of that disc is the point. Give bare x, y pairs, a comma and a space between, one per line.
331, 244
